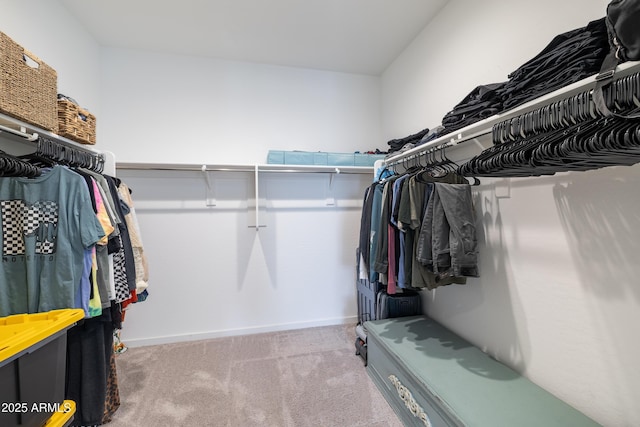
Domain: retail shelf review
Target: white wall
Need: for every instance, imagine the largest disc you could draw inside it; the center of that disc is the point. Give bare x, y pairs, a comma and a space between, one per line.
213, 274
557, 298
210, 273
170, 108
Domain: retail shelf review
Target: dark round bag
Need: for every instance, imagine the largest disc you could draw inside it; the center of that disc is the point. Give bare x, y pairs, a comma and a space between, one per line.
623, 24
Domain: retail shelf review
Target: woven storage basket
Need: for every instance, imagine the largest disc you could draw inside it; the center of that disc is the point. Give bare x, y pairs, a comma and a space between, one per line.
27, 92
76, 123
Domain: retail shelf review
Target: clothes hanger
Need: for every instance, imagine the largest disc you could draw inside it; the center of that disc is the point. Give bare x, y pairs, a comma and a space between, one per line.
570, 134
15, 167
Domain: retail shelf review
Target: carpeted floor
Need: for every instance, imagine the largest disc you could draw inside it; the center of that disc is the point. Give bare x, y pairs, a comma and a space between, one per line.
301, 378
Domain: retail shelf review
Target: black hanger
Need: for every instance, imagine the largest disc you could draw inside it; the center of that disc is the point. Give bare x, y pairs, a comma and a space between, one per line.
50, 152
11, 166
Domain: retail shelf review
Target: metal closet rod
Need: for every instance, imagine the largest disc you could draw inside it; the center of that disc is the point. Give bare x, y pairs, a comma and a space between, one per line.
247, 168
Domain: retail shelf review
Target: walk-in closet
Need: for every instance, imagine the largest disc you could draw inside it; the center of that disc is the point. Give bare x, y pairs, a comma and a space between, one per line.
262, 173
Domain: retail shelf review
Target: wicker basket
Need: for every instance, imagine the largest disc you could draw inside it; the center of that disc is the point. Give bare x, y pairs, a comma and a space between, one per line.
76, 123
28, 86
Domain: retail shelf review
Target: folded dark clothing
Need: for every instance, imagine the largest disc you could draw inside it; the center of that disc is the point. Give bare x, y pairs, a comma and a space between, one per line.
433, 134
454, 122
481, 102
595, 32
588, 60
453, 125
397, 144
569, 57
482, 93
472, 110
556, 65
558, 42
566, 76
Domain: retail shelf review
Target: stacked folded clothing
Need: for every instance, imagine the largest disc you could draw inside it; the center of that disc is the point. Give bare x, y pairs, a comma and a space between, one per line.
397, 144
569, 57
484, 101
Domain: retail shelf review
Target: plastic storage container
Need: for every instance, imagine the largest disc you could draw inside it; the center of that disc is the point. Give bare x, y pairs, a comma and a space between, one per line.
64, 416
33, 351
278, 157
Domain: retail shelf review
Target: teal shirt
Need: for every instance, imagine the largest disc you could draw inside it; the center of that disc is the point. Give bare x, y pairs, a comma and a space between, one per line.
47, 223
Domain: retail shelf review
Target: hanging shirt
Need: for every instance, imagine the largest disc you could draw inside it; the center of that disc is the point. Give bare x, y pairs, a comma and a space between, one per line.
47, 224
139, 257
376, 213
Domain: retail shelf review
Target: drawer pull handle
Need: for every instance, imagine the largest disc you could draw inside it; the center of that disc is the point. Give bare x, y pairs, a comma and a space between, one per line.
409, 401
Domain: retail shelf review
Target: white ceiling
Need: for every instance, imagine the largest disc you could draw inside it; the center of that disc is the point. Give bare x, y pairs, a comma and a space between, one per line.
354, 36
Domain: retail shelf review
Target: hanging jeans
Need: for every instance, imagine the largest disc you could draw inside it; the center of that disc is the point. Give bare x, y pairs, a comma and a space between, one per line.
454, 243
424, 245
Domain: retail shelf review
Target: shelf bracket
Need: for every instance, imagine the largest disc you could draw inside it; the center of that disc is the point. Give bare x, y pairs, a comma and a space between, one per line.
210, 195
257, 183
331, 199
258, 217
21, 133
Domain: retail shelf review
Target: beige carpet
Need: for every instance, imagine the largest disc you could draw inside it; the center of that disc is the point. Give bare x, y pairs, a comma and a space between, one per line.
309, 377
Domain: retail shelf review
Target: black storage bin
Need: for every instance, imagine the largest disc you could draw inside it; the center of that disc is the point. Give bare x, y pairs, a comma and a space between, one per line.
33, 357
367, 292
407, 303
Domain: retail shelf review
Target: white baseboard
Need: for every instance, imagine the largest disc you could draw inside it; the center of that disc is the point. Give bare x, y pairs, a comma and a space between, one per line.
142, 342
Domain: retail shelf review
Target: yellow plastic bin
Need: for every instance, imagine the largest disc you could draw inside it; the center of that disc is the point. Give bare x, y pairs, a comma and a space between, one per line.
33, 352
64, 416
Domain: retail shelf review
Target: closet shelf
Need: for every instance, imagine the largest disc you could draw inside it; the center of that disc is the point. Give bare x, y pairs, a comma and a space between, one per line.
28, 134
245, 168
485, 127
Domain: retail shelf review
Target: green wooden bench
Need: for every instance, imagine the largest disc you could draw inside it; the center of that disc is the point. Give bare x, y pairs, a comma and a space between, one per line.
431, 376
